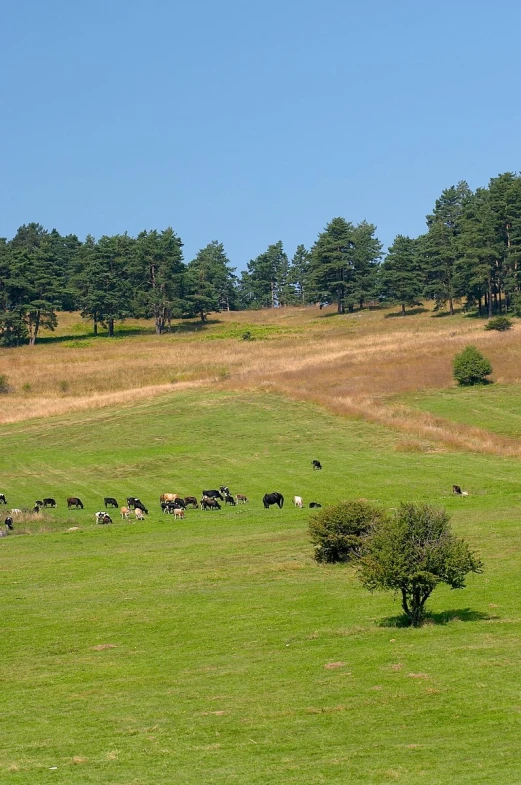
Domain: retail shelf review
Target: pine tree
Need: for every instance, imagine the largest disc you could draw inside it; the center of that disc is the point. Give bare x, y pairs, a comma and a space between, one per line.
209, 282
332, 269
401, 277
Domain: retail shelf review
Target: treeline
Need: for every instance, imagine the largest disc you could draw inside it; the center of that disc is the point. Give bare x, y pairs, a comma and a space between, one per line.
470, 252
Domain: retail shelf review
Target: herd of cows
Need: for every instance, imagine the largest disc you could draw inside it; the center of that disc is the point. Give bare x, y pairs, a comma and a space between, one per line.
170, 503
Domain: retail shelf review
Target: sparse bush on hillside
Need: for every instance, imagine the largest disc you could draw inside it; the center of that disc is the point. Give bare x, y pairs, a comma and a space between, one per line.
338, 531
471, 367
500, 323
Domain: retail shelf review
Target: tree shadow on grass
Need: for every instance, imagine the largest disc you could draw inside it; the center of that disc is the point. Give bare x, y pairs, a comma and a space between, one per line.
442, 314
192, 327
442, 618
408, 312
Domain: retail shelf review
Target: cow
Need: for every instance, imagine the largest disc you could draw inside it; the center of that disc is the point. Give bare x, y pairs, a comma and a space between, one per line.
228, 499
179, 513
273, 498
297, 501
168, 497
36, 508
109, 501
138, 512
316, 464
314, 504
49, 503
125, 512
73, 501
38, 503
241, 498
456, 489
213, 495
103, 517
224, 490
133, 502
209, 504
3, 500
191, 500
9, 523
16, 511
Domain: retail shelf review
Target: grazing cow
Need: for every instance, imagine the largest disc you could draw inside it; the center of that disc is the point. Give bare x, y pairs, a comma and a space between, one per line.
168, 497
36, 508
179, 513
138, 512
9, 523
228, 499
314, 504
125, 512
273, 498
73, 501
457, 490
109, 501
16, 511
49, 503
3, 500
241, 498
209, 504
133, 502
316, 464
213, 495
224, 490
103, 517
38, 503
297, 501
191, 500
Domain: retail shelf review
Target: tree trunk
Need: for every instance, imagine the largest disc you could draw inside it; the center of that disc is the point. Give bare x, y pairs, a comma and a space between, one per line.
489, 293
34, 331
451, 306
111, 328
403, 309
95, 326
479, 305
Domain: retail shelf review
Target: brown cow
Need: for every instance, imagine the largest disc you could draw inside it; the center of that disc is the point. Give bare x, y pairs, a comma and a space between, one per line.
125, 512
191, 500
241, 498
168, 497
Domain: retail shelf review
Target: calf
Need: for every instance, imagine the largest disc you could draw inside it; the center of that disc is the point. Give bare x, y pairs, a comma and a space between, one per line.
73, 501
209, 504
241, 498
125, 512
133, 502
3, 500
316, 464
314, 504
228, 499
103, 517
179, 513
191, 500
49, 503
9, 523
138, 512
297, 501
109, 501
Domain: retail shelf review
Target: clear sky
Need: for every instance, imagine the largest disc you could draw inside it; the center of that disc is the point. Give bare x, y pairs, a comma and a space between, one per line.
250, 122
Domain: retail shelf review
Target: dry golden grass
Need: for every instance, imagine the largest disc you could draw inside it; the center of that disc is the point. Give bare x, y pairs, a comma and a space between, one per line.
353, 365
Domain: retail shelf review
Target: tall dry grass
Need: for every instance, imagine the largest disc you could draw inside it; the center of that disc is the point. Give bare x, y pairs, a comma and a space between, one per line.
352, 364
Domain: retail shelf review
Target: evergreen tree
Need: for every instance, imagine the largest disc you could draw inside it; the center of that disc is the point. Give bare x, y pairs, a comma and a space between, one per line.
332, 269
263, 284
298, 276
367, 251
158, 277
401, 277
209, 282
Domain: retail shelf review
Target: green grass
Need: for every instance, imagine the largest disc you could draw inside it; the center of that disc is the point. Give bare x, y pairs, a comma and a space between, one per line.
218, 629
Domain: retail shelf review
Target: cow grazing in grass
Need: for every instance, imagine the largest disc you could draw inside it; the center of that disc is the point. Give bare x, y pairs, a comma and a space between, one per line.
314, 504
133, 502
49, 503
209, 504
273, 498
3, 500
125, 512
179, 513
191, 501
138, 512
316, 464
228, 499
8, 523
224, 490
38, 503
241, 498
36, 508
213, 494
103, 517
73, 501
168, 497
109, 501
297, 501
457, 490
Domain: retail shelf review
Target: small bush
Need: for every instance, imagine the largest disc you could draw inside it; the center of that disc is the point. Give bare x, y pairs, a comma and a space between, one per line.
26, 387
63, 386
4, 384
338, 531
471, 367
500, 323
247, 336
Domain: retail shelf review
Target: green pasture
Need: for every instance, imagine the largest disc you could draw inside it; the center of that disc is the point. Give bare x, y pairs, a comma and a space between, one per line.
214, 649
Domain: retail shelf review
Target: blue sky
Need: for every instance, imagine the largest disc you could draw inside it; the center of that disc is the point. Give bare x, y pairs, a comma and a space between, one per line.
251, 122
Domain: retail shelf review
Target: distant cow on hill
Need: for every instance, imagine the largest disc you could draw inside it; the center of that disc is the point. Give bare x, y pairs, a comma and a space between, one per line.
3, 500
133, 502
125, 512
297, 501
9, 523
316, 464
209, 504
191, 501
314, 504
109, 501
103, 517
241, 498
73, 501
273, 498
213, 494
138, 512
49, 503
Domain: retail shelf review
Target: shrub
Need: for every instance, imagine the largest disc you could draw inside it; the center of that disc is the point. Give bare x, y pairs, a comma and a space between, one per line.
500, 323
338, 531
247, 336
4, 384
471, 367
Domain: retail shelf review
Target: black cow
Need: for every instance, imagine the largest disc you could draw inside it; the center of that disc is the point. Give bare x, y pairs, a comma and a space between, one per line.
109, 501
229, 500
213, 495
314, 504
38, 503
9, 523
273, 498
134, 502
73, 501
3, 500
457, 490
316, 464
49, 503
36, 508
192, 501
209, 504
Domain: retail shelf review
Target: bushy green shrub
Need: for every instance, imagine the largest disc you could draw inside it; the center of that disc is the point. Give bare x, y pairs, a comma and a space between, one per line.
338, 531
471, 367
500, 323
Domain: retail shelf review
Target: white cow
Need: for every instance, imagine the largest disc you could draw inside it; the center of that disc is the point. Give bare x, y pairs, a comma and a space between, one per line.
297, 501
139, 514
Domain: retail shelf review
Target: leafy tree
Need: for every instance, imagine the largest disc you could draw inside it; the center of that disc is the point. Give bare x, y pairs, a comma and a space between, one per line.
367, 251
401, 275
338, 531
298, 277
332, 264
471, 367
411, 553
209, 282
158, 277
263, 283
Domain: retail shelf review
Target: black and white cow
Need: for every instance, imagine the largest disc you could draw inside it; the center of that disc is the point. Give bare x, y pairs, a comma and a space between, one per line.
273, 498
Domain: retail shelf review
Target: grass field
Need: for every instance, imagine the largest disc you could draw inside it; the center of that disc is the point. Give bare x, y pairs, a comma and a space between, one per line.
214, 649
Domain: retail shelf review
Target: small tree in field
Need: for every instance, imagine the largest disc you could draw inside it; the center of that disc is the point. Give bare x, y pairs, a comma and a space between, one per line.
411, 553
338, 531
471, 367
